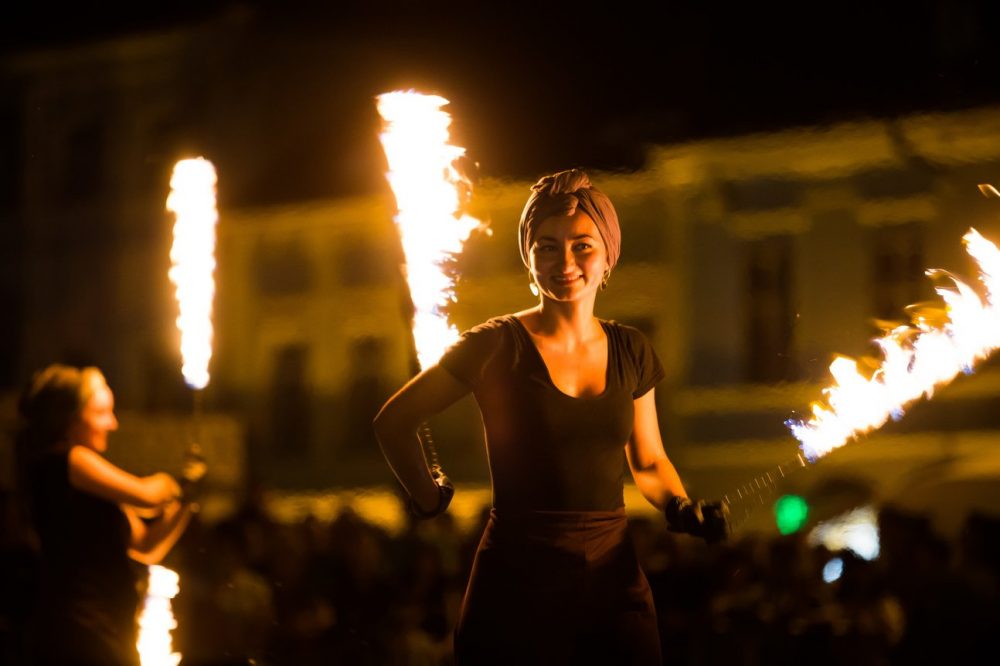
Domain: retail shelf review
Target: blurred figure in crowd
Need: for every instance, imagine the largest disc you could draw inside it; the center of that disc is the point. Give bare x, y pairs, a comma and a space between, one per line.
93, 519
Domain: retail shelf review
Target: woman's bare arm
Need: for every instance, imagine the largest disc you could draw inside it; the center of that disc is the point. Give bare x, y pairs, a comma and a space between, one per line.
91, 473
653, 472
397, 423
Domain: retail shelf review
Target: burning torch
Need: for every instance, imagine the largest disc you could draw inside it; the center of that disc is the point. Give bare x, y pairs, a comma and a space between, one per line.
156, 620
917, 359
430, 190
192, 200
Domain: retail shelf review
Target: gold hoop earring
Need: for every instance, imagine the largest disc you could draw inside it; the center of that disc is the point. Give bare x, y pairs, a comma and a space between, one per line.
604, 281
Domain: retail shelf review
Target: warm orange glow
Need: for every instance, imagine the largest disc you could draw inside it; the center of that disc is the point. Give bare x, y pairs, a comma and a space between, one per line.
156, 620
918, 359
427, 187
192, 200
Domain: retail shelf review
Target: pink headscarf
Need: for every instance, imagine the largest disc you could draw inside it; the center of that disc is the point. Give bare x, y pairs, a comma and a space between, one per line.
561, 194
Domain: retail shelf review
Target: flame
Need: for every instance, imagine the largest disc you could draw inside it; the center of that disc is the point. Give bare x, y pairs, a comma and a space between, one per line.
157, 620
917, 360
192, 200
428, 190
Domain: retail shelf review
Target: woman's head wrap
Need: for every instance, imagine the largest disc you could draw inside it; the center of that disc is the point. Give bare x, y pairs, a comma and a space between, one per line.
561, 194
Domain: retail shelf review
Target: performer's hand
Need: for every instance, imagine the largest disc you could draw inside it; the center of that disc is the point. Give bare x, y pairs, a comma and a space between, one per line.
717, 525
445, 492
708, 520
445, 488
167, 485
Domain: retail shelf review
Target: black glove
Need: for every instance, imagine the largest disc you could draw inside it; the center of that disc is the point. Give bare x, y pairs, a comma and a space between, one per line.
708, 520
445, 492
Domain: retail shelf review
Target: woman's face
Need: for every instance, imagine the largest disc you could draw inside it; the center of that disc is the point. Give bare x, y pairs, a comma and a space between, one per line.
568, 257
96, 420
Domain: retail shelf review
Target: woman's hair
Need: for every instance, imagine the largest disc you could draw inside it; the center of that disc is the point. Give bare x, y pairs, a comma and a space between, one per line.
52, 400
561, 194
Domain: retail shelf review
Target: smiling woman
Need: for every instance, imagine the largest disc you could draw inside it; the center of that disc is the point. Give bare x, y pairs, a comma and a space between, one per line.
566, 398
91, 517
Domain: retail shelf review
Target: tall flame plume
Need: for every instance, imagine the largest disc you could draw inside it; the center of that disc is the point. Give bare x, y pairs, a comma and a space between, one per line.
917, 360
428, 189
192, 200
157, 619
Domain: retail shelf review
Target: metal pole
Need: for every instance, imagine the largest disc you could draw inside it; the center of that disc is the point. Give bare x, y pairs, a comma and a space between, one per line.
744, 499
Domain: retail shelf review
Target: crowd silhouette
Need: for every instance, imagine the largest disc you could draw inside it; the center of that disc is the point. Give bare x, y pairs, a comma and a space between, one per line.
255, 590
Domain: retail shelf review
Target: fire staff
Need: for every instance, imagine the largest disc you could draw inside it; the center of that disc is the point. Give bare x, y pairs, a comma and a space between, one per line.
565, 397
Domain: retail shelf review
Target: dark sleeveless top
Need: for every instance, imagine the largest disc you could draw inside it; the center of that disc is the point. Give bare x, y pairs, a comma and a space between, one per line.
549, 451
89, 596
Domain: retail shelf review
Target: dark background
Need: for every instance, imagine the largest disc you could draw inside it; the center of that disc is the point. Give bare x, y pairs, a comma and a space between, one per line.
543, 86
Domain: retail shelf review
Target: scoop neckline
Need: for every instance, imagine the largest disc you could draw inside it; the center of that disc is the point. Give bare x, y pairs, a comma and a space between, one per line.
548, 375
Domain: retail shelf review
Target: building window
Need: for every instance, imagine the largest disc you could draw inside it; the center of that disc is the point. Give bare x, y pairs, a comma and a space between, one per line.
282, 268
367, 391
760, 194
290, 402
892, 183
363, 262
897, 270
769, 314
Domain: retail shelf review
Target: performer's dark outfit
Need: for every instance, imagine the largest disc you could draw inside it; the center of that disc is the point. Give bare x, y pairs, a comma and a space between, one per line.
86, 609
555, 579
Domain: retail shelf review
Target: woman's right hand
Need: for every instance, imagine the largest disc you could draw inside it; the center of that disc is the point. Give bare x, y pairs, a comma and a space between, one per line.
445, 491
166, 486
708, 520
396, 427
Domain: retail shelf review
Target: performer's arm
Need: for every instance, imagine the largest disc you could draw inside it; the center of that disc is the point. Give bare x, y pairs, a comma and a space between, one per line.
396, 427
653, 472
91, 473
150, 542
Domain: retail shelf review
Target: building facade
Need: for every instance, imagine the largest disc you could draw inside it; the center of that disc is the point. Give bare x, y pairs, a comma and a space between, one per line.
749, 262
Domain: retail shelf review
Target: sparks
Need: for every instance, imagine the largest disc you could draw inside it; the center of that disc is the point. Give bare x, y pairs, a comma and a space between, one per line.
157, 619
192, 200
428, 190
917, 360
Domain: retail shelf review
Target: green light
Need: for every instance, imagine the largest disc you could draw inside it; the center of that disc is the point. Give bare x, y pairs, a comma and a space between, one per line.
790, 513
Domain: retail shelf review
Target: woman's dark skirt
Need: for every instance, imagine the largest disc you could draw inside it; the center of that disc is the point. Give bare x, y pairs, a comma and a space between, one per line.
557, 587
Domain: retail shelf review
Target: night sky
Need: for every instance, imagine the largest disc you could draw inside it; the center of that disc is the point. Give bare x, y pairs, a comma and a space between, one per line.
543, 86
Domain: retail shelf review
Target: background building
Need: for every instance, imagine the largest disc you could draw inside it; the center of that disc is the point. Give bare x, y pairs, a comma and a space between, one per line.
748, 260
